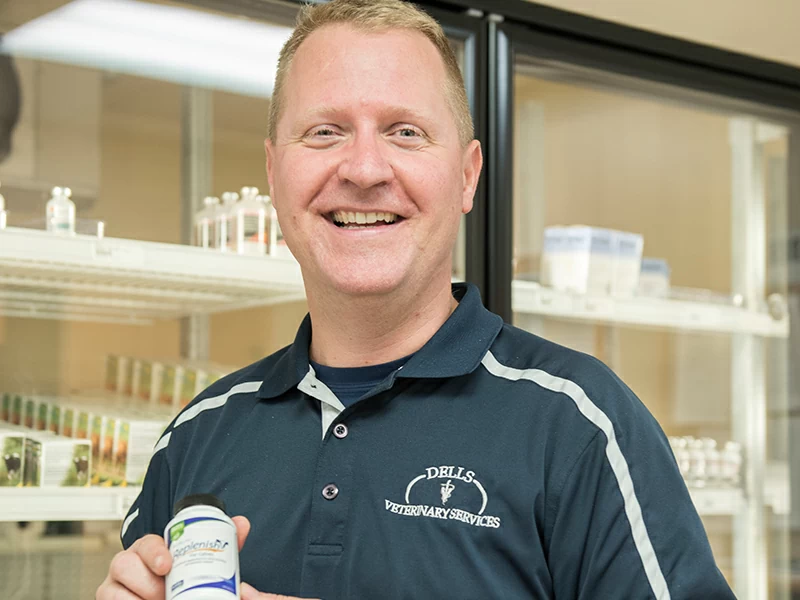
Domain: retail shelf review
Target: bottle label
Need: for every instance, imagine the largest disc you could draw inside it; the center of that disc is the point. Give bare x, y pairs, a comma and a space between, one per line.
204, 555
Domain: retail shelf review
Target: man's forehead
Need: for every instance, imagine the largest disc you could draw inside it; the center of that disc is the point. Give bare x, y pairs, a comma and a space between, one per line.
336, 40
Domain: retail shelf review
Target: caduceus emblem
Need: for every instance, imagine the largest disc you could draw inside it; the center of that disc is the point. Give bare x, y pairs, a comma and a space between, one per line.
447, 489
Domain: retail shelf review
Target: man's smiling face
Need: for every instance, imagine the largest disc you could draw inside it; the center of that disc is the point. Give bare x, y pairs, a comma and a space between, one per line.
367, 172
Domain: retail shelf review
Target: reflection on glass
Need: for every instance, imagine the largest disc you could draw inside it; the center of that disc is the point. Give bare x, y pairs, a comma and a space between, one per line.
706, 188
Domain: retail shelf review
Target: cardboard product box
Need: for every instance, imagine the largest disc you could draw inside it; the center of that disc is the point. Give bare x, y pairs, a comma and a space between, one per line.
127, 446
16, 409
56, 461
12, 457
194, 381
96, 428
29, 413
5, 408
171, 385
105, 429
135, 439
627, 263
150, 376
112, 362
136, 375
123, 372
69, 421
55, 420
42, 422
553, 252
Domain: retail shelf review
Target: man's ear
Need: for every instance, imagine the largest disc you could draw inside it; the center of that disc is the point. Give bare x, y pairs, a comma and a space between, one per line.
471, 168
269, 151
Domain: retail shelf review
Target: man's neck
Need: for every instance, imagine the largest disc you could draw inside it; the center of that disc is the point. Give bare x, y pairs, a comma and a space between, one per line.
356, 332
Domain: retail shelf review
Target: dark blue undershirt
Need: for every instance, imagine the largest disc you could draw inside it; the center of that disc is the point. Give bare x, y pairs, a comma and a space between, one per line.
351, 383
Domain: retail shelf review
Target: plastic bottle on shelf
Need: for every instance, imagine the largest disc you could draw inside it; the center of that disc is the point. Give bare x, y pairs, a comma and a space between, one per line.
61, 212
249, 225
3, 213
205, 223
224, 219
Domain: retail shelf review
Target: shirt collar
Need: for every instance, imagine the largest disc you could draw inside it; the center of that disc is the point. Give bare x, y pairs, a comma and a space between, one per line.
457, 348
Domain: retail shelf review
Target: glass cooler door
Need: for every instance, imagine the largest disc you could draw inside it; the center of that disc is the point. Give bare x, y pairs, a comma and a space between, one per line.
649, 227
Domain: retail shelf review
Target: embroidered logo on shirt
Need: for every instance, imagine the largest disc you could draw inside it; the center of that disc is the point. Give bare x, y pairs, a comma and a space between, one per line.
447, 490
466, 503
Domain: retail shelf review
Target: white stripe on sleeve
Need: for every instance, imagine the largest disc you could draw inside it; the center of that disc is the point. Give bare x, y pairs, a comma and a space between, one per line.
619, 465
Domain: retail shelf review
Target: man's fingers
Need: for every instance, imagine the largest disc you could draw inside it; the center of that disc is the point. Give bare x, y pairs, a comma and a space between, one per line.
128, 571
153, 551
242, 529
110, 590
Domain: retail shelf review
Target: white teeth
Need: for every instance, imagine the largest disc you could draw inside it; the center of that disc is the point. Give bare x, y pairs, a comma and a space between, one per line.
359, 218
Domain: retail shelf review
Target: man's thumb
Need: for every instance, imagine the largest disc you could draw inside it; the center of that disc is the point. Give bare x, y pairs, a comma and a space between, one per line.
242, 529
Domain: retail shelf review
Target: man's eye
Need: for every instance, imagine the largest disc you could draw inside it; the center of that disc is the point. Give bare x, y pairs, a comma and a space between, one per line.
408, 132
323, 132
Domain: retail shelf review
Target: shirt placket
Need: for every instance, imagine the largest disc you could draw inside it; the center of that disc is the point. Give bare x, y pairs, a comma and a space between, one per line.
331, 494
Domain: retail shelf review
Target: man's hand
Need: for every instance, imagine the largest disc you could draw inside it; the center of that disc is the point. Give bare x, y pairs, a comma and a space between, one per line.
138, 572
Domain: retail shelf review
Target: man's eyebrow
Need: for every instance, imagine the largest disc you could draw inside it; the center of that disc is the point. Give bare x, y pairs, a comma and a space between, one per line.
392, 113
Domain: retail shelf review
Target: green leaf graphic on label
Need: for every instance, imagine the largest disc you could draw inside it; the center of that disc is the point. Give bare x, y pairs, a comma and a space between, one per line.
177, 531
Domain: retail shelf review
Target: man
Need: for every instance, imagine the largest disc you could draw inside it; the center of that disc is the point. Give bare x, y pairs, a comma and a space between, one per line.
408, 444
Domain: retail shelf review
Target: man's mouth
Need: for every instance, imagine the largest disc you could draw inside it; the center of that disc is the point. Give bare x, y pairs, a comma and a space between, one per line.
359, 220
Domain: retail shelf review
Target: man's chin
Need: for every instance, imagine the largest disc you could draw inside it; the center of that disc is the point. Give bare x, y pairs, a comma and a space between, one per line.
365, 286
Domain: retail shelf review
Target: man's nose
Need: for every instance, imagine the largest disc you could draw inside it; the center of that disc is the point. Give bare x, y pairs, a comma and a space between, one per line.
365, 164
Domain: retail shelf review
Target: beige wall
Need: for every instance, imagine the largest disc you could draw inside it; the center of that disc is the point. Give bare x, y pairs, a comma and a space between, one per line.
764, 28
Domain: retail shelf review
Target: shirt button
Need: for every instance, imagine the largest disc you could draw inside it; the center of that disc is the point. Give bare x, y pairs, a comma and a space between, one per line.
340, 431
330, 491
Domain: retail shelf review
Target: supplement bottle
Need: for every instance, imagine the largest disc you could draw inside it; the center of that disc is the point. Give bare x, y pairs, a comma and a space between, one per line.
61, 212
250, 223
225, 218
205, 555
205, 223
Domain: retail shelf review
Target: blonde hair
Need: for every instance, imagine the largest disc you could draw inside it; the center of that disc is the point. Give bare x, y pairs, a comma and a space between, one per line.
375, 16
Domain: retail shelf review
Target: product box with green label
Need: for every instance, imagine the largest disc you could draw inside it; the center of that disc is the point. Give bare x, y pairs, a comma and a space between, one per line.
42, 422
29, 413
5, 408
55, 421
171, 383
56, 461
132, 383
16, 410
144, 385
131, 439
69, 420
112, 362
12, 457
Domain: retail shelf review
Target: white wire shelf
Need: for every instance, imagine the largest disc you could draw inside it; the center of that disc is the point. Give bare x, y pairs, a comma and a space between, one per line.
711, 502
66, 504
83, 278
533, 299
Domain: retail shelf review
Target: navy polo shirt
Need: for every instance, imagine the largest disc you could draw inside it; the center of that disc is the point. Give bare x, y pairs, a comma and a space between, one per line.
493, 464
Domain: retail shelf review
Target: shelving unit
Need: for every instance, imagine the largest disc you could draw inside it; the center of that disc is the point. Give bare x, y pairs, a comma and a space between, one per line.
85, 278
531, 298
66, 504
717, 501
